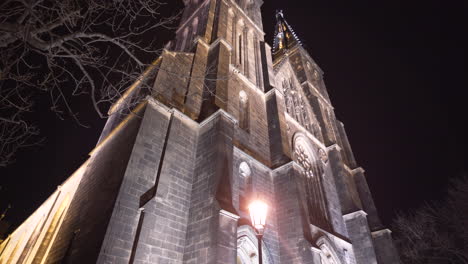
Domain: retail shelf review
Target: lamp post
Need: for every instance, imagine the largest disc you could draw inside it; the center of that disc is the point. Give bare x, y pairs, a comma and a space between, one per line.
258, 213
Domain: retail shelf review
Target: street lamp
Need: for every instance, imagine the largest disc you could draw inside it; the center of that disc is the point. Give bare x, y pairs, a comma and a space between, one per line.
258, 213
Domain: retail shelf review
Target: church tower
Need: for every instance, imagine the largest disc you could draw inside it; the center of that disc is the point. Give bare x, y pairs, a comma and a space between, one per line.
222, 119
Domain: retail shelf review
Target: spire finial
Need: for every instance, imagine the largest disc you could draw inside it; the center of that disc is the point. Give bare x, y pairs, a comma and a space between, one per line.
279, 14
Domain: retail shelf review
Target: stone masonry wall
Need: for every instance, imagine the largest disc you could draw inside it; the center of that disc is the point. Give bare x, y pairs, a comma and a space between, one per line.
92, 205
294, 248
258, 185
203, 224
163, 232
140, 176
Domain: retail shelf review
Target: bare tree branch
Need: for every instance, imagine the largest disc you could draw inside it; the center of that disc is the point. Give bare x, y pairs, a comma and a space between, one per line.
67, 48
436, 233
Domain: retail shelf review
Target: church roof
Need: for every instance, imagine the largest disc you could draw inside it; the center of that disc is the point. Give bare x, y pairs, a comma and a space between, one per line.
285, 38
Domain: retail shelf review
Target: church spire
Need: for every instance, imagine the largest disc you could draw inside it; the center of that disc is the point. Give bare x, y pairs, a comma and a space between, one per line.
285, 38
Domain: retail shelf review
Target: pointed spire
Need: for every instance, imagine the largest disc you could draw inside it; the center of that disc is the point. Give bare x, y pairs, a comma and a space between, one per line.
285, 38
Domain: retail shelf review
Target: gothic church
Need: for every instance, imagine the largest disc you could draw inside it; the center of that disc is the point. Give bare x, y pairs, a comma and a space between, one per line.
228, 119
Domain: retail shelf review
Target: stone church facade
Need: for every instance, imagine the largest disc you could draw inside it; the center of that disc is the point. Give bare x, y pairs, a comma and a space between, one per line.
227, 119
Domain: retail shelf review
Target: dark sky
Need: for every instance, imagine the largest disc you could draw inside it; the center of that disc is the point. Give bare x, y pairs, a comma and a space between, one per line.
394, 70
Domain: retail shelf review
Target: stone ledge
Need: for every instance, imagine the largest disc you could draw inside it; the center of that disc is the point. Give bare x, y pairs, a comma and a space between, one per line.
381, 232
354, 215
229, 214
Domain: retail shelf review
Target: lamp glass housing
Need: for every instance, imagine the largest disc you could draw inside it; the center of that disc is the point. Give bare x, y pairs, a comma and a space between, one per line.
258, 213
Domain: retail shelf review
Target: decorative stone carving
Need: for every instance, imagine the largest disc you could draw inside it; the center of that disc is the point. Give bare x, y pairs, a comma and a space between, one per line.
304, 160
298, 109
323, 155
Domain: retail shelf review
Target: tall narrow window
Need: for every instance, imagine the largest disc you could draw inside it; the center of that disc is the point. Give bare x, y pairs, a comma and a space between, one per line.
258, 76
243, 110
240, 49
247, 56
312, 172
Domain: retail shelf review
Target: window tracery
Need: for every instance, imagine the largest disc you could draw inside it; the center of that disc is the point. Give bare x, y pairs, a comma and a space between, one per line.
312, 171
297, 108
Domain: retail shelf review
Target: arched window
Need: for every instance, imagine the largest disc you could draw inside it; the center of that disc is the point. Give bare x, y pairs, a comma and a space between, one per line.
248, 56
245, 185
312, 172
240, 43
230, 25
240, 49
243, 110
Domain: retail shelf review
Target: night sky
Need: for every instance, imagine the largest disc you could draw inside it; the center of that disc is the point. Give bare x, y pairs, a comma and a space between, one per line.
394, 71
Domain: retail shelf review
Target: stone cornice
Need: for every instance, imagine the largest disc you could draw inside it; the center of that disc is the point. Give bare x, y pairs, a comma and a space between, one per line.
229, 214
356, 214
358, 169
218, 41
216, 114
381, 232
334, 147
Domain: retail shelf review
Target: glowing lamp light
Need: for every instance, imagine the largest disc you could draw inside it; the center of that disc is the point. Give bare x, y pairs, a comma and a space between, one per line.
258, 213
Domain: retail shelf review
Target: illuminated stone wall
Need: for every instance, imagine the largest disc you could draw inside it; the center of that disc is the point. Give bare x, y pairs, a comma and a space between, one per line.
227, 121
